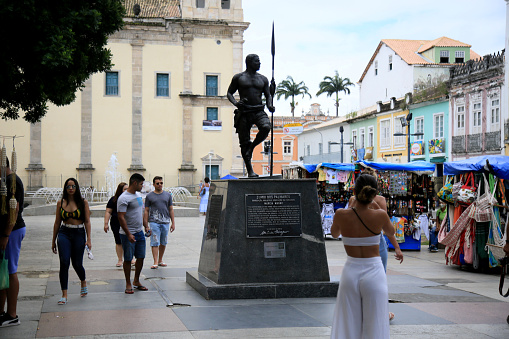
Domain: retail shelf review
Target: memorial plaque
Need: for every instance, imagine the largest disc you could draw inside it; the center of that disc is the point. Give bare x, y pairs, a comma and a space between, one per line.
273, 215
274, 250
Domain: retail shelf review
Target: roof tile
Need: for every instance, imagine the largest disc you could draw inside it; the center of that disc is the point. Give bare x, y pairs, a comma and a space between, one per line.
154, 8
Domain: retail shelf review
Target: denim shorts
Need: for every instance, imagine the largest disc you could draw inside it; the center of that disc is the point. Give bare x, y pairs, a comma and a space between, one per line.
136, 249
159, 234
13, 248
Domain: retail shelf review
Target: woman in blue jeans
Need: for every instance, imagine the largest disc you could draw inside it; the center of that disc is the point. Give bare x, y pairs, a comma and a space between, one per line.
72, 228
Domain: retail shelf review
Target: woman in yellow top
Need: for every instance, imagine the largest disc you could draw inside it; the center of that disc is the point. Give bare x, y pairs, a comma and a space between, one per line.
72, 224
361, 307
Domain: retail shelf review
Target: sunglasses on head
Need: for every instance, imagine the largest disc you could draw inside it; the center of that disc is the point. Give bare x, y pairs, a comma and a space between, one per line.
70, 187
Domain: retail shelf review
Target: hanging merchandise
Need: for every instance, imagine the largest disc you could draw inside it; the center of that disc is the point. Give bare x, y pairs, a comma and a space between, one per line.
495, 243
456, 187
467, 194
327, 216
483, 208
3, 187
398, 183
445, 193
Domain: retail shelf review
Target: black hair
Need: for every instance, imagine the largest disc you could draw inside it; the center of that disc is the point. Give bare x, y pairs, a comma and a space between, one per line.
366, 188
120, 190
156, 178
207, 180
136, 177
78, 199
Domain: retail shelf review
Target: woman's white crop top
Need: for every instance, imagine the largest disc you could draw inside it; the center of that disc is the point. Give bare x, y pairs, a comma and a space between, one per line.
364, 241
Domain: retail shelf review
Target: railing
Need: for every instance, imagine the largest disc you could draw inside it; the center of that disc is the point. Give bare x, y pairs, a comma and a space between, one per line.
492, 141
458, 144
474, 143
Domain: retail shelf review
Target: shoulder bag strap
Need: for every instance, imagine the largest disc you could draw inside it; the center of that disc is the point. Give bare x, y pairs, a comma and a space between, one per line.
357, 214
502, 278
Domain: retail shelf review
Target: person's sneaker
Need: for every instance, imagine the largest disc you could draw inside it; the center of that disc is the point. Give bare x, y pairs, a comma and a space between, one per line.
434, 250
6, 320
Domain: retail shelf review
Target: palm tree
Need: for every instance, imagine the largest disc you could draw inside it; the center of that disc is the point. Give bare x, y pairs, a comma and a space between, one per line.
289, 88
335, 84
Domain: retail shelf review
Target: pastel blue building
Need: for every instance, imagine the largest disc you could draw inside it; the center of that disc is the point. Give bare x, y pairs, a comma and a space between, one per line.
432, 119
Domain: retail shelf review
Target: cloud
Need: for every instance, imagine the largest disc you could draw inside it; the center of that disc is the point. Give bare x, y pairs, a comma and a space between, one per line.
313, 39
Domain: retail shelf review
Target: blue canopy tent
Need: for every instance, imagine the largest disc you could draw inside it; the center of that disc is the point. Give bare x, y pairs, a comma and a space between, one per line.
228, 177
337, 166
418, 167
499, 163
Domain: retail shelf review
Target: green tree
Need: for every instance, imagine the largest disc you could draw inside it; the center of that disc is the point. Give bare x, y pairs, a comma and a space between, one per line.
289, 88
49, 49
335, 84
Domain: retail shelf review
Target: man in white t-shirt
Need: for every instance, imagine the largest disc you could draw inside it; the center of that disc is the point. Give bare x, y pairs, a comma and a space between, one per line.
130, 217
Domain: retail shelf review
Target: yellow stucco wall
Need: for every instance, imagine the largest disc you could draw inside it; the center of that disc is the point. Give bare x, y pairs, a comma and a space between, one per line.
162, 123
393, 150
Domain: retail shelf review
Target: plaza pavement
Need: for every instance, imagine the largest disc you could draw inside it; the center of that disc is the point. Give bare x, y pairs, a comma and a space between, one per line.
433, 300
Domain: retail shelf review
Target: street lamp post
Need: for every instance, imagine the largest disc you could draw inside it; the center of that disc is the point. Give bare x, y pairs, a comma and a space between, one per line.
341, 130
406, 122
211, 153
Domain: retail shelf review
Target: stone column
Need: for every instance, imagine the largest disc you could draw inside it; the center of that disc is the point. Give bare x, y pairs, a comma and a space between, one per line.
137, 117
187, 169
238, 45
85, 169
35, 168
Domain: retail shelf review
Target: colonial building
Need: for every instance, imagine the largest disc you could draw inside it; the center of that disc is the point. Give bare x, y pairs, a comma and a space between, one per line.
477, 89
162, 108
399, 66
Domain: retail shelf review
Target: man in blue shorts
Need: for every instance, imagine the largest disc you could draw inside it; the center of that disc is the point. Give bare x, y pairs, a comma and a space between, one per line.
130, 217
159, 213
11, 236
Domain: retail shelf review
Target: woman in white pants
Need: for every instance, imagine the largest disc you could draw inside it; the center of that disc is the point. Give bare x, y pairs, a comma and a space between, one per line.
361, 307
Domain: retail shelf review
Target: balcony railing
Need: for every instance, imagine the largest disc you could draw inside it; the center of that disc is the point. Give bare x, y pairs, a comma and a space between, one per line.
492, 141
458, 144
474, 142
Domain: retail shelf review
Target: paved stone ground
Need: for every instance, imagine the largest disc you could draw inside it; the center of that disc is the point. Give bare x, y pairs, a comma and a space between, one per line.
432, 300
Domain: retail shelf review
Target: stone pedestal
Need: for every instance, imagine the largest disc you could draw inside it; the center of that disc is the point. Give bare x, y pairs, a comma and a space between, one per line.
263, 238
34, 177
186, 176
85, 175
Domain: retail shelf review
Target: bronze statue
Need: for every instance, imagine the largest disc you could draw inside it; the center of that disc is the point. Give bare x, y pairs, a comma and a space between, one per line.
250, 85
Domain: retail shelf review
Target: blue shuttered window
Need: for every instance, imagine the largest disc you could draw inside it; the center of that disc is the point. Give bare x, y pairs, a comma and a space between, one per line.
212, 113
111, 83
211, 83
163, 85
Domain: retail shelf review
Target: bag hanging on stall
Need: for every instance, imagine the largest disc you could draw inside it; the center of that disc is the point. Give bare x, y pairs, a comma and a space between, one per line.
445, 193
456, 188
4, 273
463, 222
467, 194
443, 228
483, 208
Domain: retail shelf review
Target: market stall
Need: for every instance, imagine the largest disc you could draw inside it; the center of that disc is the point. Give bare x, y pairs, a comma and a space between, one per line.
475, 190
409, 193
334, 183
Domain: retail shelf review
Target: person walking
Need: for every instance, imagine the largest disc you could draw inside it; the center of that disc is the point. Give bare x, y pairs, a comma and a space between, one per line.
158, 214
380, 203
204, 196
72, 228
361, 306
11, 235
130, 217
111, 217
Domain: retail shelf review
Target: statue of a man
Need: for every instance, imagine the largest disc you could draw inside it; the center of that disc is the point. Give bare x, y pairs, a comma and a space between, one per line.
250, 85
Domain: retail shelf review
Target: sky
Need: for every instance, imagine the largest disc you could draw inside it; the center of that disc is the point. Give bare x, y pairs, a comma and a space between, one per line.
316, 38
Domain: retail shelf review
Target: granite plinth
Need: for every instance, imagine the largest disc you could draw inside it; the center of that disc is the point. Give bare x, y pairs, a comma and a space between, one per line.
263, 235
212, 291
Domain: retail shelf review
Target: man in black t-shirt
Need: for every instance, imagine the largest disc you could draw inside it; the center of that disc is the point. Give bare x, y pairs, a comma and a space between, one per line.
10, 243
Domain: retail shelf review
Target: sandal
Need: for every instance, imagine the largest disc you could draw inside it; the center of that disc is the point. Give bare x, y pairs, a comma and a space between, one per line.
84, 291
141, 288
162, 264
153, 267
391, 316
62, 301
129, 291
